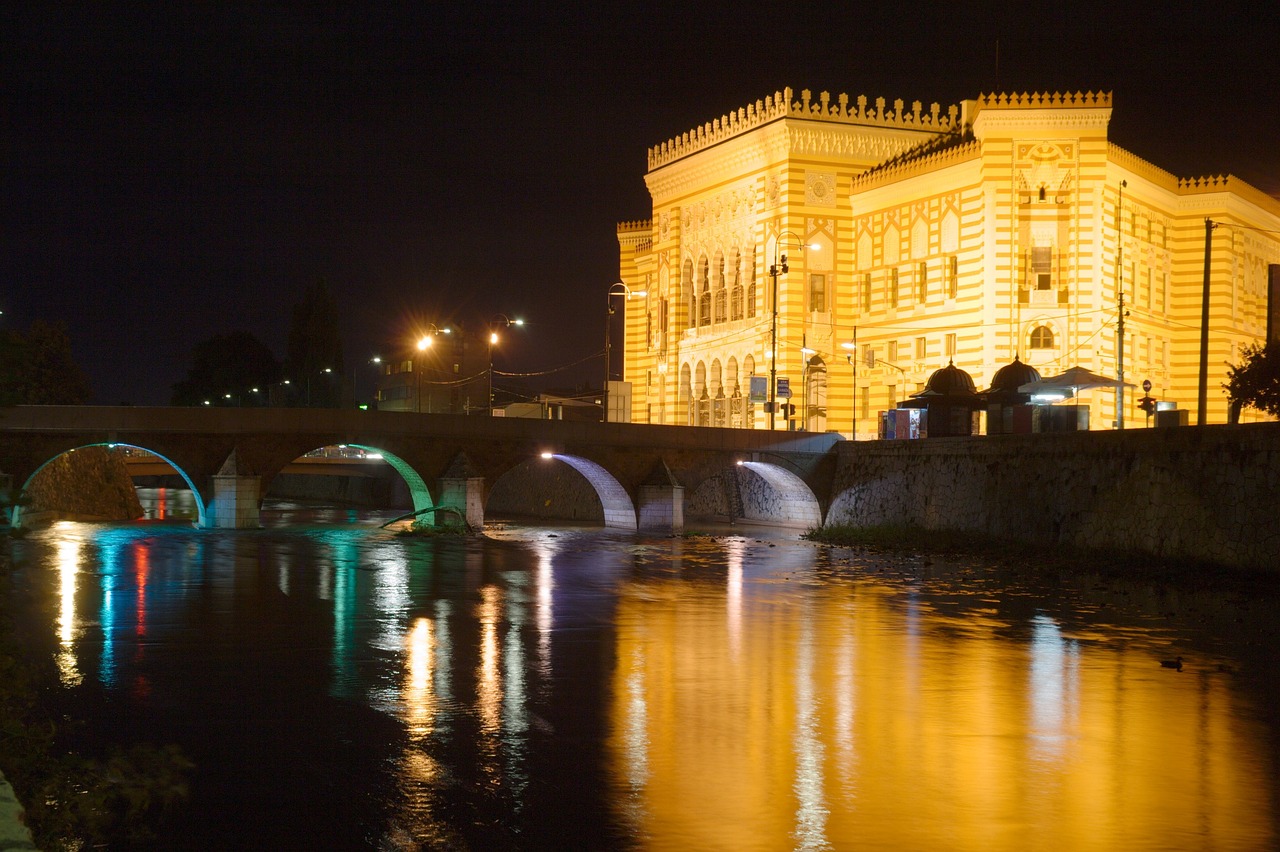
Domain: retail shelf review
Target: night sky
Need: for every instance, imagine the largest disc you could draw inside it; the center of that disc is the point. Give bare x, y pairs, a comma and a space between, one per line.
184, 171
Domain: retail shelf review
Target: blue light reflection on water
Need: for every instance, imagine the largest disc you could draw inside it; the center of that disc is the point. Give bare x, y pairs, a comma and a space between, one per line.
667, 693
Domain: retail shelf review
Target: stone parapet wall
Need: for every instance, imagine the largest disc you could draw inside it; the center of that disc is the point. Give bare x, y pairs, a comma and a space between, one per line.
1208, 494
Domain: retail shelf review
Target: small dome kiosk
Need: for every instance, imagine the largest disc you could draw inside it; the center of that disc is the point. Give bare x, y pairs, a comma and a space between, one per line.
950, 400
1009, 412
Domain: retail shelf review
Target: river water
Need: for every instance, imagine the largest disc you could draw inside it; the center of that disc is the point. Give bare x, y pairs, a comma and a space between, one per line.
338, 687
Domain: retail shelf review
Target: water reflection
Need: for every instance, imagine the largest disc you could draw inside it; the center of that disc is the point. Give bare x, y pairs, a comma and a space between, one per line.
960, 737
597, 689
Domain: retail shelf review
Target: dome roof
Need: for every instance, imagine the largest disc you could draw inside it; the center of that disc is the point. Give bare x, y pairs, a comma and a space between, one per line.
1011, 376
949, 381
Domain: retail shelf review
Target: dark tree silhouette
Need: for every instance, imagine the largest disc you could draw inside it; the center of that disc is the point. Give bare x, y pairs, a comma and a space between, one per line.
229, 369
314, 360
37, 368
1255, 381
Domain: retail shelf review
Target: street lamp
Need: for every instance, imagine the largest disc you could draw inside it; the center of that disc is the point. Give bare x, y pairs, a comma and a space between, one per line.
326, 370
618, 289
779, 266
807, 354
851, 355
424, 343
495, 322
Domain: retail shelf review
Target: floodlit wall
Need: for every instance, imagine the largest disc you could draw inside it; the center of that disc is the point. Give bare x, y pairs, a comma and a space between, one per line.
1207, 494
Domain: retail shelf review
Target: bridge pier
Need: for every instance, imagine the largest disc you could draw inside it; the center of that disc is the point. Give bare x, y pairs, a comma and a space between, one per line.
661, 508
466, 494
660, 502
235, 502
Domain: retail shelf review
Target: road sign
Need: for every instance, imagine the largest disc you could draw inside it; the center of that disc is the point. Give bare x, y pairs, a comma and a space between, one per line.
1146, 385
784, 388
759, 388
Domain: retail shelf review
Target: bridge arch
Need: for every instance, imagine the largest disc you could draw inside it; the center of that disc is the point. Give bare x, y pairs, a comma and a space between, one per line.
419, 492
15, 511
786, 499
619, 511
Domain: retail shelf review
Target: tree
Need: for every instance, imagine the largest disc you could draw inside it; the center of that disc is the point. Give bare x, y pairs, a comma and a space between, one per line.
225, 369
1255, 382
314, 361
37, 368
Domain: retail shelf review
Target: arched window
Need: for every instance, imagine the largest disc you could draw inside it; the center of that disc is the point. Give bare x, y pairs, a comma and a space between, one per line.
722, 291
704, 289
735, 296
1041, 337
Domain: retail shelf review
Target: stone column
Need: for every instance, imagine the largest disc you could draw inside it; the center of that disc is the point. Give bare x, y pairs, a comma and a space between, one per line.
660, 502
466, 494
235, 502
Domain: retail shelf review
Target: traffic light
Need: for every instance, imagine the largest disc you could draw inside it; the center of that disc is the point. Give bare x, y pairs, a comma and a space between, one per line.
1147, 404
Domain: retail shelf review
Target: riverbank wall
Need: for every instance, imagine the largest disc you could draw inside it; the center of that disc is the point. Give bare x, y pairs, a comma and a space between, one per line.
1205, 494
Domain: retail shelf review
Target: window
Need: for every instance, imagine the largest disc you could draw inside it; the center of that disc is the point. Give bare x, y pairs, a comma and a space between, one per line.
953, 276
1148, 286
893, 287
893, 352
866, 292
921, 348
704, 299
817, 292
1041, 337
922, 288
951, 345
1041, 269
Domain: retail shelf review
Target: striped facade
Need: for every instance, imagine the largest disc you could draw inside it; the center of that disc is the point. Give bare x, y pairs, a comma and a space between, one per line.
1003, 227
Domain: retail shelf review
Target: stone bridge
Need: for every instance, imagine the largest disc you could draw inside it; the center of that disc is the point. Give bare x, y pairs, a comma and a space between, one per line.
228, 457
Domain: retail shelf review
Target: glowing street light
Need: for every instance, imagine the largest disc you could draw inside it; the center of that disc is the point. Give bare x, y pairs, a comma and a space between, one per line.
496, 321
618, 289
424, 343
779, 267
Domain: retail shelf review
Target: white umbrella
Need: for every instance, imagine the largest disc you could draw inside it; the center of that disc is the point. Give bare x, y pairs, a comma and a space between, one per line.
1075, 379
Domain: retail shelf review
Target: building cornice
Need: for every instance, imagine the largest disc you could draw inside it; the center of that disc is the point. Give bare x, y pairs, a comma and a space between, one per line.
781, 105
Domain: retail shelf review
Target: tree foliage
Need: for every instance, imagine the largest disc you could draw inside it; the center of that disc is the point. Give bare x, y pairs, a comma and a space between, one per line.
37, 368
225, 369
314, 360
1255, 381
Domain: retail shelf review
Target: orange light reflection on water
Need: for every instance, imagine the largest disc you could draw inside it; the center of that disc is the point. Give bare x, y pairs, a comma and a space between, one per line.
848, 716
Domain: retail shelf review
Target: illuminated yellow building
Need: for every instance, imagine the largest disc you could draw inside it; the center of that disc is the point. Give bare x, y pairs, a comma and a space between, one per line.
1005, 226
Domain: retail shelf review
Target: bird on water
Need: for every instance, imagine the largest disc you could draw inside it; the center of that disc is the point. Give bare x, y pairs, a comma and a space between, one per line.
1175, 663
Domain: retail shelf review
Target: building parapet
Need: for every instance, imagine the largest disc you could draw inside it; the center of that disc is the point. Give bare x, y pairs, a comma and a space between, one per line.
637, 234
781, 105
1229, 183
1043, 100
1139, 166
909, 166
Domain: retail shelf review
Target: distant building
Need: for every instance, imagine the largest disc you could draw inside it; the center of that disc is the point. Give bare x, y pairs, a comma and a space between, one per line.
1006, 227
450, 376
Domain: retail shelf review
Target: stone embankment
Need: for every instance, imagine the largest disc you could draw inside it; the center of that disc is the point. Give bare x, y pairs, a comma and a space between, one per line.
1209, 494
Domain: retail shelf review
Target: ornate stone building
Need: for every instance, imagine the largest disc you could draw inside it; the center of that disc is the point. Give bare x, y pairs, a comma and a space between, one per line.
905, 239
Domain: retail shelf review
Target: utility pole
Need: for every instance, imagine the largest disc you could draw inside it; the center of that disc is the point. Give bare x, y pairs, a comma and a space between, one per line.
1209, 225
1120, 323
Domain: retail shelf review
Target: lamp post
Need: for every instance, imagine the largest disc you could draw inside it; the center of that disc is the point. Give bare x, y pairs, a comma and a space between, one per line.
778, 267
618, 289
496, 321
424, 343
326, 371
806, 353
851, 355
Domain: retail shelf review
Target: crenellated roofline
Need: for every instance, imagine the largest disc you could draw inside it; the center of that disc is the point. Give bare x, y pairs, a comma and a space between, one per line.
782, 105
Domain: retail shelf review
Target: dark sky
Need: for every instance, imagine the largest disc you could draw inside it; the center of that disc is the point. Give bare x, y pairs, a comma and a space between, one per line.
184, 170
